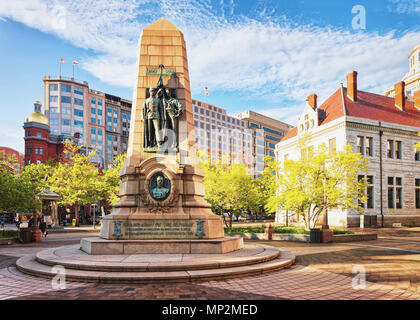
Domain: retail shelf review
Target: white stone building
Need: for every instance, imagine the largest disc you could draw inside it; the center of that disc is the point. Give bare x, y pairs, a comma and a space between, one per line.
384, 129
412, 78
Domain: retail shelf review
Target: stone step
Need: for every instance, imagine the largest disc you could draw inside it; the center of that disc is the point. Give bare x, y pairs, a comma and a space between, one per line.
30, 265
76, 259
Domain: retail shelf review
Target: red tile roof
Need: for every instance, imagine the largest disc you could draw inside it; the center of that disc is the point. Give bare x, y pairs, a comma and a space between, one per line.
368, 106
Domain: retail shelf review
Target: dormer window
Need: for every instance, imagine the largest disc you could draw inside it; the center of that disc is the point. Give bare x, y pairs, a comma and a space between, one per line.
312, 123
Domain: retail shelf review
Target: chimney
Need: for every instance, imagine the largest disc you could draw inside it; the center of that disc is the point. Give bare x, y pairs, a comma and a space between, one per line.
312, 100
400, 95
416, 99
352, 85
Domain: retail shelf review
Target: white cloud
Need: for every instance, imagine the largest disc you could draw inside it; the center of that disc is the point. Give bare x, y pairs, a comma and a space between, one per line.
263, 57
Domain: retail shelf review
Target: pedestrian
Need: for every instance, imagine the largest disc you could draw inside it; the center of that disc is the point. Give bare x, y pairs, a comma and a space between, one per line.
2, 223
43, 227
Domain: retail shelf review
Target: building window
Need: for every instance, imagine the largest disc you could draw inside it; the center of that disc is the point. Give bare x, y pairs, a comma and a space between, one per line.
417, 186
65, 122
390, 148
361, 145
36, 150
369, 146
39, 134
78, 91
398, 151
93, 101
41, 151
99, 102
394, 192
78, 112
92, 110
332, 145
65, 99
417, 155
78, 123
53, 87
78, 102
53, 99
65, 88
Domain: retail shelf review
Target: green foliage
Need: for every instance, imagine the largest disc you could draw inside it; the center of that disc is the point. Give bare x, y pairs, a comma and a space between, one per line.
16, 192
322, 180
265, 186
229, 189
9, 234
76, 180
279, 229
110, 181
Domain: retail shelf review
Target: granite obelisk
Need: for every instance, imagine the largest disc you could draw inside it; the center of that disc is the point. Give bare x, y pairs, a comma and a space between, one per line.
162, 207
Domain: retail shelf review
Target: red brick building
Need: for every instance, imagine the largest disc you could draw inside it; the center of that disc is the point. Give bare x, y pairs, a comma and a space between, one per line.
16, 155
40, 145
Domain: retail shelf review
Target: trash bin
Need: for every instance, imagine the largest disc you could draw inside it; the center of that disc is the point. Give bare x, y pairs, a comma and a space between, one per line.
25, 235
73, 222
315, 236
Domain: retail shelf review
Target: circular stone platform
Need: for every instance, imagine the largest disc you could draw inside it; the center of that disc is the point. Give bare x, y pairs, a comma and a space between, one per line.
139, 268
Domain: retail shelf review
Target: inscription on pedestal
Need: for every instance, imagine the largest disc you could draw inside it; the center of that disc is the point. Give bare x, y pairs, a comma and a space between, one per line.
158, 229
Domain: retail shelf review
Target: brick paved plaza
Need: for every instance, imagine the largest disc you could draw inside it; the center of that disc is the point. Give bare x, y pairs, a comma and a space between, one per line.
322, 271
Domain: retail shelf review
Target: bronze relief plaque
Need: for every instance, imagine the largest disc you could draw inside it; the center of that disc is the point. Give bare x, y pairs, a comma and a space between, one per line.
159, 186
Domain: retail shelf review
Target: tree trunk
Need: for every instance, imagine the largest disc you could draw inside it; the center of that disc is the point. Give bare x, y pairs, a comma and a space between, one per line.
230, 220
76, 214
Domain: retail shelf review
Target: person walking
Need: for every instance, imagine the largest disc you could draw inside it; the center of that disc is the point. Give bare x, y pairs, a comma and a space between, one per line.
17, 222
2, 223
43, 227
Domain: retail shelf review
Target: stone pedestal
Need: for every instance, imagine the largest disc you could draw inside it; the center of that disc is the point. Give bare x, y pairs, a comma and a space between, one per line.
326, 235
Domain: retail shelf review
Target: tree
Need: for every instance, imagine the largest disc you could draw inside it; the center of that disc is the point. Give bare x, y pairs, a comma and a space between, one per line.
110, 181
266, 186
76, 180
319, 182
17, 193
229, 189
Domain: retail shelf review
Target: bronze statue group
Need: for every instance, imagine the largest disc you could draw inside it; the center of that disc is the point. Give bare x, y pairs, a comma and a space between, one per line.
160, 114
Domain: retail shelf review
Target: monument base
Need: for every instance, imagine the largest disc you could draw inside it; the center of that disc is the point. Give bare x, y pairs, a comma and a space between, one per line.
99, 246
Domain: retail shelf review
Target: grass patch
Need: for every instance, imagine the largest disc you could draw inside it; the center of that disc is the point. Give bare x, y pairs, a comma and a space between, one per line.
9, 234
279, 229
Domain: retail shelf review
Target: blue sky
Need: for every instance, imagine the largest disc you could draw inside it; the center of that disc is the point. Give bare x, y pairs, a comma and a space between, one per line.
263, 55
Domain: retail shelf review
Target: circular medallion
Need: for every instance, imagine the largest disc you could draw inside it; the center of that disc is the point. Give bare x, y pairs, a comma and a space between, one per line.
159, 186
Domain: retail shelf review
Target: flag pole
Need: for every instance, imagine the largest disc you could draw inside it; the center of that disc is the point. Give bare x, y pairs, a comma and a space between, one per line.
60, 66
73, 71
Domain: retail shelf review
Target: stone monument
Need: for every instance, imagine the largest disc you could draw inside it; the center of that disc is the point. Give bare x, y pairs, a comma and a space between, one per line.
162, 229
162, 207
